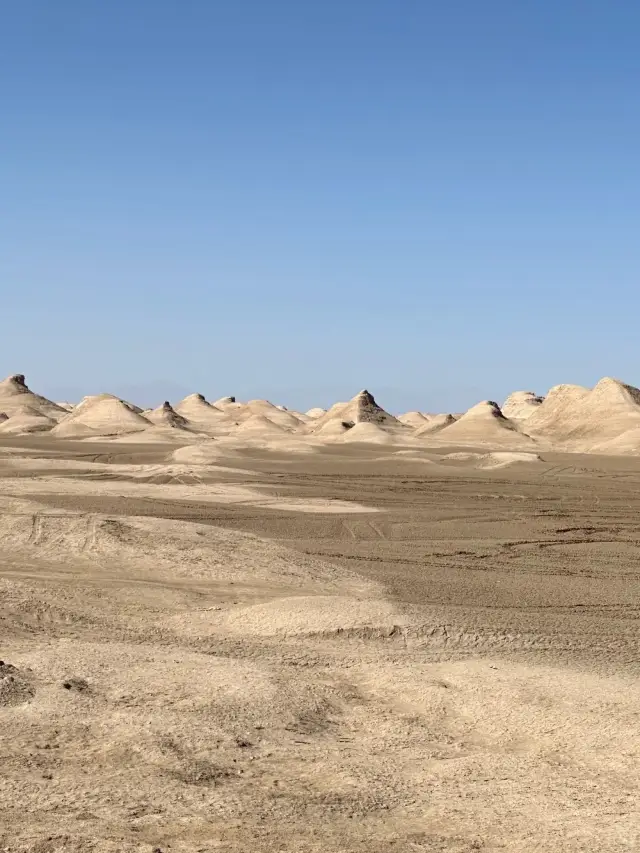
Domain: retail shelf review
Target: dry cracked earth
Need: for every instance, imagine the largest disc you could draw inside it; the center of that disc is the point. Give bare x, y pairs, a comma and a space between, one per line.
324, 653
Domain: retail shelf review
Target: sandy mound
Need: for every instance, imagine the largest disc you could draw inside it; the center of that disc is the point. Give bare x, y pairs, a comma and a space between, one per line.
206, 453
165, 415
415, 420
259, 426
277, 415
625, 444
224, 401
556, 413
203, 416
521, 405
15, 395
156, 435
367, 434
361, 409
583, 420
497, 459
484, 424
313, 615
316, 413
332, 430
100, 415
24, 420
434, 424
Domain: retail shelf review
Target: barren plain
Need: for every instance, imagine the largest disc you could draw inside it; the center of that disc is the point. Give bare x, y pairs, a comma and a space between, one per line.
365, 646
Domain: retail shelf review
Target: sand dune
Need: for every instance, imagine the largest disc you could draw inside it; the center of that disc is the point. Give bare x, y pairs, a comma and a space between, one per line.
165, 415
100, 415
413, 419
203, 416
580, 419
571, 418
484, 424
521, 405
360, 409
259, 425
368, 433
316, 413
25, 419
313, 615
434, 424
275, 414
15, 395
495, 459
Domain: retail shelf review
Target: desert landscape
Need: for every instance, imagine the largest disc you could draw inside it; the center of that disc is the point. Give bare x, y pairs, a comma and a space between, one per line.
227, 626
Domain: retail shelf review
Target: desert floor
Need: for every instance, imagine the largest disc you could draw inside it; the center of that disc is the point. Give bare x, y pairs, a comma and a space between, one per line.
346, 650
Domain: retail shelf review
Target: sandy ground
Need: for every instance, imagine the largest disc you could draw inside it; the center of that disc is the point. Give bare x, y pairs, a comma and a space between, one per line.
354, 650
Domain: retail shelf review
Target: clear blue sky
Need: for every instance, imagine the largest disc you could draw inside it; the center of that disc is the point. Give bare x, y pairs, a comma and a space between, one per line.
295, 199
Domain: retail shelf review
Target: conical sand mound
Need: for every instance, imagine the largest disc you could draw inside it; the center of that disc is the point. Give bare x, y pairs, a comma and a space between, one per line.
165, 415
361, 409
259, 426
366, 433
583, 420
415, 420
25, 420
276, 414
102, 415
484, 424
203, 416
521, 405
332, 429
224, 401
15, 394
434, 424
625, 444
557, 412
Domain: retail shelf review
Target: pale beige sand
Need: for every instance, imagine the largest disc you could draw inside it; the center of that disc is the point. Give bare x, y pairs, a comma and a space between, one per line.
102, 415
434, 424
15, 395
484, 424
521, 405
193, 664
496, 459
413, 419
360, 409
581, 420
24, 420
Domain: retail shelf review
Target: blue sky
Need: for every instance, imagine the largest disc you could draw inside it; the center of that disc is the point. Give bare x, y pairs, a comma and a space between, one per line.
439, 201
